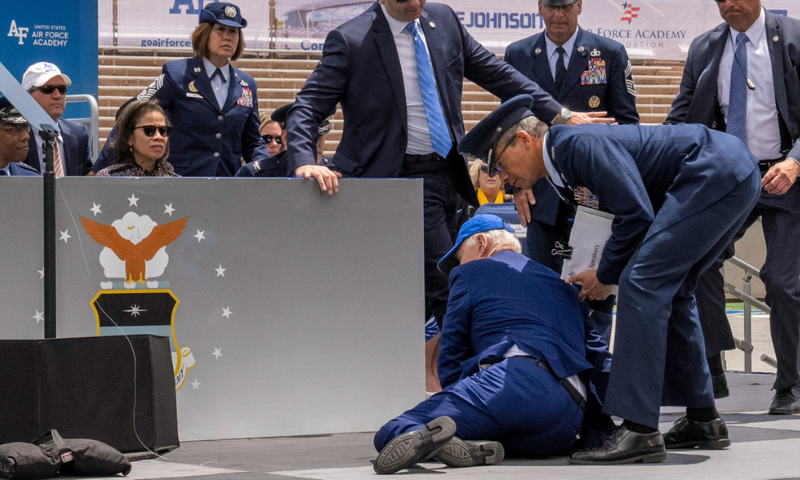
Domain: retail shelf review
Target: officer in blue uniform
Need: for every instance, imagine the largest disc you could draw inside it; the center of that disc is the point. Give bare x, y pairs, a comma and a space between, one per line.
212, 105
14, 135
276, 166
513, 365
591, 74
679, 193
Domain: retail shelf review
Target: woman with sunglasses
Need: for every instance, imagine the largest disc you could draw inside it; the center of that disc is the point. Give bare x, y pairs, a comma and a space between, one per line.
141, 145
212, 105
271, 132
489, 189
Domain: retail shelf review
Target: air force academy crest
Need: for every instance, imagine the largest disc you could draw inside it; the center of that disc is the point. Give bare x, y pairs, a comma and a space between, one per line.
133, 301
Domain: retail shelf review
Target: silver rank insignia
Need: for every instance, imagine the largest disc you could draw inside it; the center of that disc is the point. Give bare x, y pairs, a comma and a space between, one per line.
432, 25
230, 12
537, 51
581, 49
594, 102
776, 38
243, 83
595, 53
196, 69
192, 88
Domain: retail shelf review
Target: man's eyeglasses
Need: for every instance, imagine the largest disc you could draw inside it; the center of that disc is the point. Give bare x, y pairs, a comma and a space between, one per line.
16, 128
269, 139
150, 130
494, 163
49, 89
485, 169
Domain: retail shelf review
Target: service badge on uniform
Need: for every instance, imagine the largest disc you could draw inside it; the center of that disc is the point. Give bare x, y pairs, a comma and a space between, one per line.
243, 83
537, 51
192, 88
595, 74
432, 25
196, 69
246, 99
581, 49
594, 102
230, 12
595, 52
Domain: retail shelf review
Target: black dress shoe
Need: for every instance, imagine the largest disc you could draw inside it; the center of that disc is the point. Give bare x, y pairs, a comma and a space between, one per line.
687, 433
786, 402
468, 453
720, 384
623, 446
411, 447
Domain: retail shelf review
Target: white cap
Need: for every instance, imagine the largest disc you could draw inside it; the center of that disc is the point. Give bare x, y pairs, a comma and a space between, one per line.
40, 73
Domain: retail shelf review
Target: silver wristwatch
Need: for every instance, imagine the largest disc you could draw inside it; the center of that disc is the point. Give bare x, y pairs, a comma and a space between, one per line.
563, 117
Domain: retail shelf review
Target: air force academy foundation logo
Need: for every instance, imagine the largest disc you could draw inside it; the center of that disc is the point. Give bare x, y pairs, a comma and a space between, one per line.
133, 302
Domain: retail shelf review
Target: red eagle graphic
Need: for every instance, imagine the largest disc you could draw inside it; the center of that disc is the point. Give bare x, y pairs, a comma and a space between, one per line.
134, 255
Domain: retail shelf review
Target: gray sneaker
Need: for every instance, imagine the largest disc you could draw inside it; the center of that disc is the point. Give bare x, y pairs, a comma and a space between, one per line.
467, 453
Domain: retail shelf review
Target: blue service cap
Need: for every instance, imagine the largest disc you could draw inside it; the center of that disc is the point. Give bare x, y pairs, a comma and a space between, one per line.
557, 3
9, 113
481, 140
478, 224
224, 13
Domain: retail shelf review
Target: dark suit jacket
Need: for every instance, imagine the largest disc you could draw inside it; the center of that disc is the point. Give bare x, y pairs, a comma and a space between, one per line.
617, 96
697, 101
361, 69
75, 157
649, 177
207, 141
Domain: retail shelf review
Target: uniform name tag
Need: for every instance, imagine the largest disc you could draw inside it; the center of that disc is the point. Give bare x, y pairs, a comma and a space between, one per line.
193, 95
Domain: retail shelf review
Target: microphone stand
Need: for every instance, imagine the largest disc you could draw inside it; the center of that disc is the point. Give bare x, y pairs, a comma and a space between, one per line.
49, 135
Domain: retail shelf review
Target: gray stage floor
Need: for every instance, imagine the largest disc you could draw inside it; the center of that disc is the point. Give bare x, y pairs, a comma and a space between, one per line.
764, 447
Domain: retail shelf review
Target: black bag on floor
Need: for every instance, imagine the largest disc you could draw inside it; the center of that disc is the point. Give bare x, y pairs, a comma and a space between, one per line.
82, 457
27, 461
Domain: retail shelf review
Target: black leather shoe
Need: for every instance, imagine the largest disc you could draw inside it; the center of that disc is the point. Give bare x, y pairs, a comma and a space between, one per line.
687, 433
786, 402
720, 384
411, 447
623, 446
467, 453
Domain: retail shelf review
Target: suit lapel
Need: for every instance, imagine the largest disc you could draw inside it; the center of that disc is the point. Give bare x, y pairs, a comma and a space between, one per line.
235, 89
542, 65
391, 62
201, 82
707, 82
776, 53
577, 64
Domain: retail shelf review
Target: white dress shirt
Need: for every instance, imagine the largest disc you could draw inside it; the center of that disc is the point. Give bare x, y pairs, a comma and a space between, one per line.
763, 128
220, 88
419, 134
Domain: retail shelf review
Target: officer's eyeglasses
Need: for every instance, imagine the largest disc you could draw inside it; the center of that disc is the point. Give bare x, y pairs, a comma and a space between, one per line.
150, 130
485, 169
49, 89
270, 138
494, 165
16, 128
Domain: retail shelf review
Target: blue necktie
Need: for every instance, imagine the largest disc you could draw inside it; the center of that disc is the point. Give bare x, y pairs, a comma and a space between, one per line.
737, 106
440, 135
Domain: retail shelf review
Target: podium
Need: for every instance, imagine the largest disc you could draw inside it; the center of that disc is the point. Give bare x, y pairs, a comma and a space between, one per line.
118, 390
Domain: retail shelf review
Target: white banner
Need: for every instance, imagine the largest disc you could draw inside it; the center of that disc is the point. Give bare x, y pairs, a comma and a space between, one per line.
660, 29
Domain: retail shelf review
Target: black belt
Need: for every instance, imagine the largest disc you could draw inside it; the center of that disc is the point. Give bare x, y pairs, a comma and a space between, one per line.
765, 165
570, 388
430, 157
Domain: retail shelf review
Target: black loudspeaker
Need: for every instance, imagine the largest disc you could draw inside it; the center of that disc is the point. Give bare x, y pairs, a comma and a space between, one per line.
100, 388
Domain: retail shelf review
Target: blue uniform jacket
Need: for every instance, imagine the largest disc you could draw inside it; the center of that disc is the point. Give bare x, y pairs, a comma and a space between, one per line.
206, 141
611, 89
17, 169
649, 177
509, 299
697, 101
269, 167
361, 70
75, 157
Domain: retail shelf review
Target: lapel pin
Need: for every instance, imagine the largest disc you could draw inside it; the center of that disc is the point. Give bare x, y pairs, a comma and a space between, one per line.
580, 49
196, 69
775, 38
537, 51
432, 25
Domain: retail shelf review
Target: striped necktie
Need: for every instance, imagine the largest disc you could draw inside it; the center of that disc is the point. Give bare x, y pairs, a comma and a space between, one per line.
58, 166
737, 106
440, 135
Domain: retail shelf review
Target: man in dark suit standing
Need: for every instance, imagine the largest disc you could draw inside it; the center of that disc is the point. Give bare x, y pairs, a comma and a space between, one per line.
48, 86
585, 72
397, 70
742, 77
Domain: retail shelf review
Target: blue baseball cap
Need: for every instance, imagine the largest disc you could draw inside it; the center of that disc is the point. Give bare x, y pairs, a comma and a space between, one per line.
224, 13
482, 139
478, 224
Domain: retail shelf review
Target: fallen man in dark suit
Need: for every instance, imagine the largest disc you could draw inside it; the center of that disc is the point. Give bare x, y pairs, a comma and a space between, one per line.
512, 362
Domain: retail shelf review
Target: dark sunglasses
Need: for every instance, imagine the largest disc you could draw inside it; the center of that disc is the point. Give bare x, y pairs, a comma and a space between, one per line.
49, 89
269, 138
150, 130
485, 169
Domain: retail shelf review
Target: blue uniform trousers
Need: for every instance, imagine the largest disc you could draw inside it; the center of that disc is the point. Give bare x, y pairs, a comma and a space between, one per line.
659, 356
515, 402
780, 215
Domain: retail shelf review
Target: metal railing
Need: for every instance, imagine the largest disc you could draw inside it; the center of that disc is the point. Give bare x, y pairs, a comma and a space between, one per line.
92, 123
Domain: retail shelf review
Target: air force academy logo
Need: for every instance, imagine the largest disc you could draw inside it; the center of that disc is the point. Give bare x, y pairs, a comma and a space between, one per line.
133, 301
